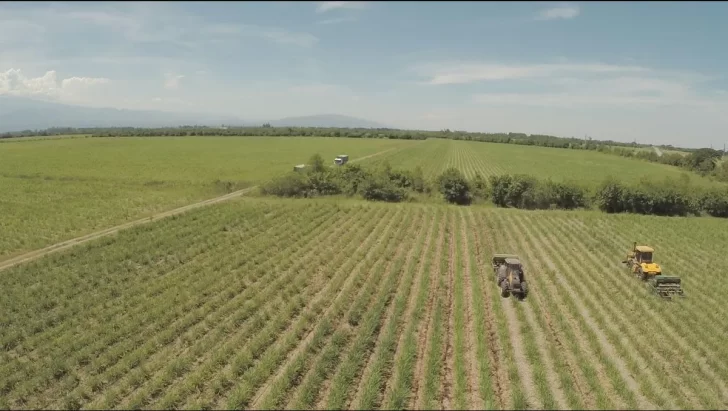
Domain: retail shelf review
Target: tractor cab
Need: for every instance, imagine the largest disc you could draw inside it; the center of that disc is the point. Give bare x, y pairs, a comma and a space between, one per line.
643, 254
640, 261
514, 265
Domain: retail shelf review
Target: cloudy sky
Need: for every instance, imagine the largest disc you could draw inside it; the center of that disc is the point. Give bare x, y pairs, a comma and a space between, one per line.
650, 71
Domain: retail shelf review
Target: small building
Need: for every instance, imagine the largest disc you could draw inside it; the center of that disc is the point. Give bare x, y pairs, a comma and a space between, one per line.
299, 167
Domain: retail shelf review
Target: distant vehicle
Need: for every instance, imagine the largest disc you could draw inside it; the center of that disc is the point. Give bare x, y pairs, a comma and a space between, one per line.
509, 275
640, 263
299, 167
342, 159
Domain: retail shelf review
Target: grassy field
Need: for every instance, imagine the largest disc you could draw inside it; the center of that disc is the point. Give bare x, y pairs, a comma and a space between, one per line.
266, 303
59, 188
489, 159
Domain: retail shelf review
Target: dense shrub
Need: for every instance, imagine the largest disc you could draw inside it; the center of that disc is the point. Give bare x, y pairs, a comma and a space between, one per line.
609, 196
646, 197
479, 187
499, 186
454, 187
522, 191
291, 184
380, 188
715, 202
350, 178
666, 198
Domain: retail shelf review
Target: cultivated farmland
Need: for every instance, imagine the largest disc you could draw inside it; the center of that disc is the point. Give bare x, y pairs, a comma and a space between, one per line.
59, 188
265, 303
590, 167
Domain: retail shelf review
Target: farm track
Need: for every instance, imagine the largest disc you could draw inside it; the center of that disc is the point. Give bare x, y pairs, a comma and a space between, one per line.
66, 244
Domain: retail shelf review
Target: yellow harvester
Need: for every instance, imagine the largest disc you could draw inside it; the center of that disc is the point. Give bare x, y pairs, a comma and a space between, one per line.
640, 263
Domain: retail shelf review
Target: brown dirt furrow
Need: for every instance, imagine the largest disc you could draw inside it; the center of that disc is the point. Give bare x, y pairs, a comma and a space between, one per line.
471, 356
411, 305
372, 241
551, 377
577, 376
524, 367
425, 329
665, 328
541, 339
358, 266
542, 263
522, 364
168, 351
63, 245
628, 331
499, 373
388, 316
604, 343
448, 372
265, 388
326, 388
554, 335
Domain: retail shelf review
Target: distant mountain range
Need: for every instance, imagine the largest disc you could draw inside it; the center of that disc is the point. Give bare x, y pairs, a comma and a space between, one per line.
19, 113
327, 120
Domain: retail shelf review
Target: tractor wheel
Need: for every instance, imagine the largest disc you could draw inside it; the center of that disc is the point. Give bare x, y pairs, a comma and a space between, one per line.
524, 289
504, 289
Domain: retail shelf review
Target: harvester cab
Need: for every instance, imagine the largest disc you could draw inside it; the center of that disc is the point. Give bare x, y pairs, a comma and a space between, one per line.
509, 275
640, 263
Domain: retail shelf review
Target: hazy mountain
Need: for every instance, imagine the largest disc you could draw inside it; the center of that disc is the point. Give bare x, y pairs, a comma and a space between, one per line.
18, 113
326, 120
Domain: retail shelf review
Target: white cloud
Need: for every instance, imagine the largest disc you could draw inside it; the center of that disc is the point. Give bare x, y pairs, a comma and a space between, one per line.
171, 80
72, 89
462, 73
325, 6
563, 11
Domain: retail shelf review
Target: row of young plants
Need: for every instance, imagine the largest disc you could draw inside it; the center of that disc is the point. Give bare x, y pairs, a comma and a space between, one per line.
693, 334
383, 183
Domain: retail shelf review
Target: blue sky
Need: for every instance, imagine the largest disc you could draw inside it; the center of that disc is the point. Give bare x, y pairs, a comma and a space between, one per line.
651, 71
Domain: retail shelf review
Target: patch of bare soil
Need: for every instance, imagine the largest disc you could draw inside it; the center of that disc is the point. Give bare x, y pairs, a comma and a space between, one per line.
589, 322
425, 328
471, 357
447, 374
499, 374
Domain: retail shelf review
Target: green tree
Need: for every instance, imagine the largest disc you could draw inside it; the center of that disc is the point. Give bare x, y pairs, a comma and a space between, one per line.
454, 187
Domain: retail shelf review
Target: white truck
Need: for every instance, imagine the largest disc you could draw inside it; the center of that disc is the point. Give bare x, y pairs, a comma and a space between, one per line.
342, 159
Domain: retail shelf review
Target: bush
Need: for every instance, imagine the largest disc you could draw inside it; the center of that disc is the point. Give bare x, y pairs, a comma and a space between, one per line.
379, 188
499, 186
609, 196
350, 178
291, 184
715, 202
646, 197
479, 187
566, 195
454, 187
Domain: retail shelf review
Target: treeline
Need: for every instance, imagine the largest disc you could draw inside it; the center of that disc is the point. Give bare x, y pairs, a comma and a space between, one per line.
267, 130
383, 183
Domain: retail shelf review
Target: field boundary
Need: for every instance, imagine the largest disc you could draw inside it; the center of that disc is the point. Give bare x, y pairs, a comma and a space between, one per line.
66, 244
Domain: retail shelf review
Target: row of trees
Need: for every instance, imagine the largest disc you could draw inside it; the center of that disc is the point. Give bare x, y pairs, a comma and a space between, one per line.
268, 130
667, 198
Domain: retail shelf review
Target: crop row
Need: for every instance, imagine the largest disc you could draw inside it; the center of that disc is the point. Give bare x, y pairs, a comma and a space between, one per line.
272, 304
